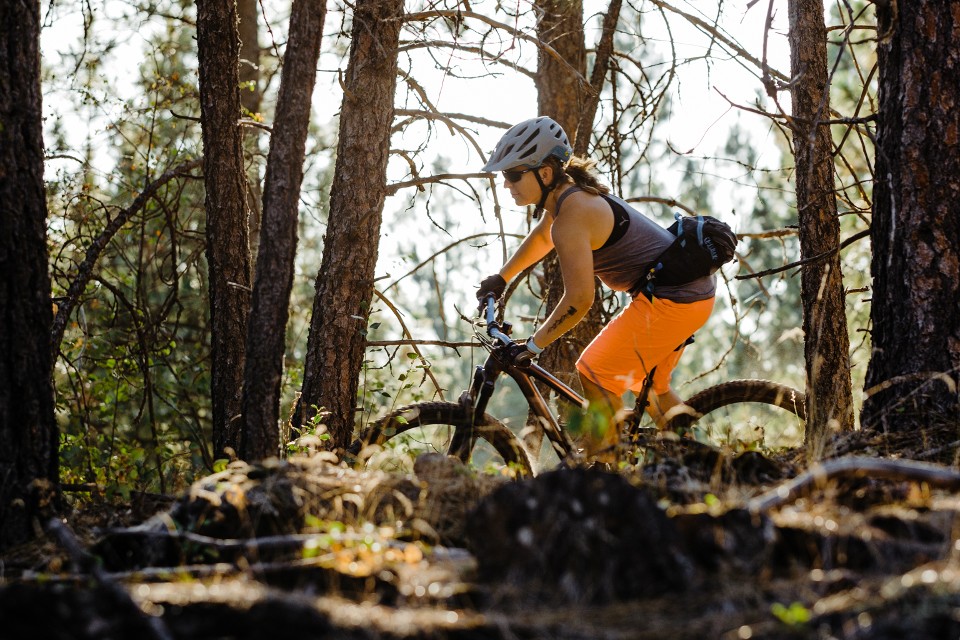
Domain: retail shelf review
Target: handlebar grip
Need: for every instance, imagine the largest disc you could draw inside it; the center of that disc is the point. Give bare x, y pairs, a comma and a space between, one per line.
490, 315
490, 309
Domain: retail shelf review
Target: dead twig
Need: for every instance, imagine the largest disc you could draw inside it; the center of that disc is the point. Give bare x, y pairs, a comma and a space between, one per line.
441, 252
711, 30
670, 202
411, 342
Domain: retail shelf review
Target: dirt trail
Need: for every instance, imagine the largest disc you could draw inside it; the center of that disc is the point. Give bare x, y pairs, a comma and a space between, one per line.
694, 543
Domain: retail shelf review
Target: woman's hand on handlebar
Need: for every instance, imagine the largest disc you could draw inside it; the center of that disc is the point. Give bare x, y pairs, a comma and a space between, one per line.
522, 353
491, 285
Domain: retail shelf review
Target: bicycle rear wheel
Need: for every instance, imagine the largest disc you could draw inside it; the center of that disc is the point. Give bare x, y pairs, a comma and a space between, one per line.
429, 427
745, 411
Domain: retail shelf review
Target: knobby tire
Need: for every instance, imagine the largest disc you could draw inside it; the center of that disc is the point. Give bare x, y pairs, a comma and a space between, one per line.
736, 392
425, 414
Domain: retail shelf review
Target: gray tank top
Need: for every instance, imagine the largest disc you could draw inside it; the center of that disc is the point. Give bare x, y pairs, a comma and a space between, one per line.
635, 242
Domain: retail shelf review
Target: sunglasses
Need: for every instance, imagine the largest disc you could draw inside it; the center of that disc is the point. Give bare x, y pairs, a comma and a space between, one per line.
514, 175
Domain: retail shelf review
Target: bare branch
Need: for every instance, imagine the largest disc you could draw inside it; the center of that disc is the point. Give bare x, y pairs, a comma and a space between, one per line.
601, 65
440, 177
812, 259
412, 342
724, 40
437, 44
424, 16
406, 332
85, 270
773, 233
442, 251
449, 117
670, 202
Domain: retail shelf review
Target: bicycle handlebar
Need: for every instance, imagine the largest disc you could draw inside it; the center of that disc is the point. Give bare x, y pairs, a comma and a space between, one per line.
495, 331
490, 315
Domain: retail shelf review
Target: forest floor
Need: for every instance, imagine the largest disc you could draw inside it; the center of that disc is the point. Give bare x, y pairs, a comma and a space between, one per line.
695, 542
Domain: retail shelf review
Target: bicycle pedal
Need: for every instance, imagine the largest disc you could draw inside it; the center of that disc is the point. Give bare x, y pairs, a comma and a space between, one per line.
640, 435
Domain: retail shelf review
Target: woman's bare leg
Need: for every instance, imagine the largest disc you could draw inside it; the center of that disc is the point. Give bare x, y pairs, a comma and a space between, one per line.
660, 406
606, 406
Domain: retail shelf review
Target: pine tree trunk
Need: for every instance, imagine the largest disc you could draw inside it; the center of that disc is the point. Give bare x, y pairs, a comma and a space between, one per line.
248, 12
28, 433
278, 242
561, 95
228, 253
913, 372
601, 66
344, 288
827, 344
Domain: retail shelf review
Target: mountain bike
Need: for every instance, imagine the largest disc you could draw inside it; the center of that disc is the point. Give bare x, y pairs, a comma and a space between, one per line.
459, 428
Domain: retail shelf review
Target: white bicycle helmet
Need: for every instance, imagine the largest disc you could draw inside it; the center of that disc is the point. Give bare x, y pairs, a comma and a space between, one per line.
528, 144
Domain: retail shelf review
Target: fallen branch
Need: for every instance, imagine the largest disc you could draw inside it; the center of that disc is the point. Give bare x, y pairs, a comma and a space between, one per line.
855, 467
88, 564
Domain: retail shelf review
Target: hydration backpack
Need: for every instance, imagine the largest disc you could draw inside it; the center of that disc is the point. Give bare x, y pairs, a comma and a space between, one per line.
701, 245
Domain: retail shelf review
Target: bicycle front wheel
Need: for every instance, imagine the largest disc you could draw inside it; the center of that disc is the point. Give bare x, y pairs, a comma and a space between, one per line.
746, 411
394, 441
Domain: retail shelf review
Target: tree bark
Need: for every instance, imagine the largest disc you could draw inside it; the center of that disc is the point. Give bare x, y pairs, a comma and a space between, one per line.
560, 93
915, 315
249, 33
561, 96
827, 344
344, 287
601, 66
248, 12
227, 250
28, 433
278, 242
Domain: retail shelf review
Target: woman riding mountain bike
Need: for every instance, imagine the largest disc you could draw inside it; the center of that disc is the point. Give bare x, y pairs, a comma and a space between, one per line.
595, 233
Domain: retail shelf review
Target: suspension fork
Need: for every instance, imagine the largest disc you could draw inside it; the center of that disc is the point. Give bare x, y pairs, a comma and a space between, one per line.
475, 401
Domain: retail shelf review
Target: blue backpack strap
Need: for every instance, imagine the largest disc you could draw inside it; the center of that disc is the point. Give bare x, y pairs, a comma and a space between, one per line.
679, 219
700, 223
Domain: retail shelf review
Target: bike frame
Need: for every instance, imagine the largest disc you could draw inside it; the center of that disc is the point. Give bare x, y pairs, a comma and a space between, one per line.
484, 382
499, 362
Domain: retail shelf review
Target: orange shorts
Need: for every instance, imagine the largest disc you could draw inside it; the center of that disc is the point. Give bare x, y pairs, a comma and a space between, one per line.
645, 335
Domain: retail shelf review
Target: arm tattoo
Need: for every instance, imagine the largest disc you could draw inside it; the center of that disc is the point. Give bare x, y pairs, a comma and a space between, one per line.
570, 312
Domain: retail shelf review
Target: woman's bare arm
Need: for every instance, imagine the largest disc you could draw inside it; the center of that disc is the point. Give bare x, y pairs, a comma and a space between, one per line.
534, 247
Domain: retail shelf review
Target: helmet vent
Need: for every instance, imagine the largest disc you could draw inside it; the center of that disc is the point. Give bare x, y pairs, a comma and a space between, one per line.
529, 139
528, 144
